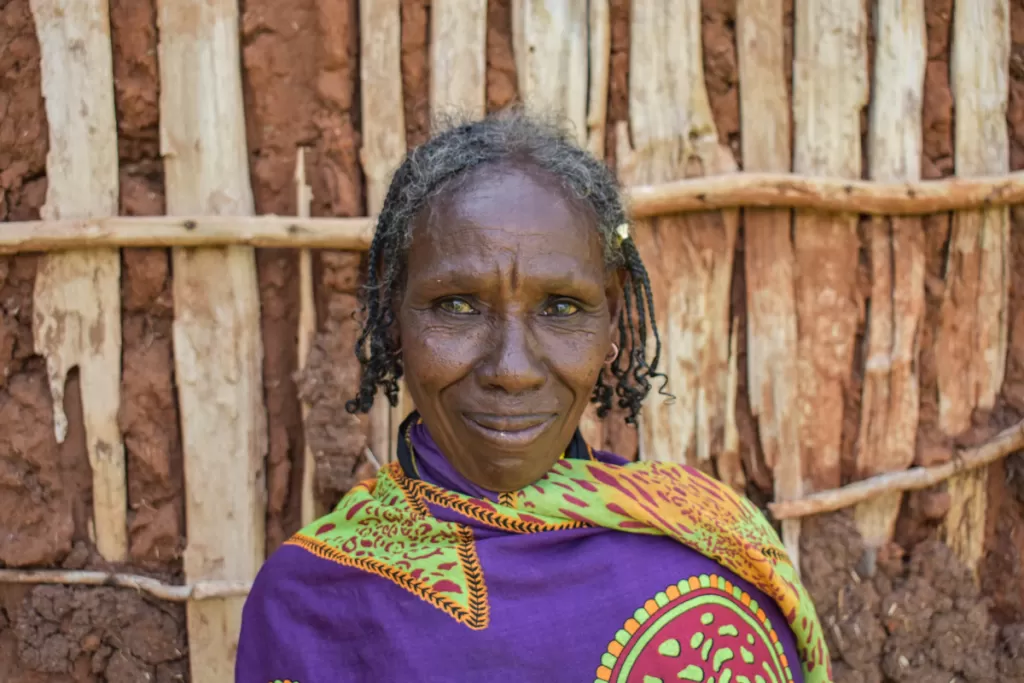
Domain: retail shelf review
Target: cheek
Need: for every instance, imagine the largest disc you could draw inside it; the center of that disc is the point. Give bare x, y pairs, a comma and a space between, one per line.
433, 358
578, 358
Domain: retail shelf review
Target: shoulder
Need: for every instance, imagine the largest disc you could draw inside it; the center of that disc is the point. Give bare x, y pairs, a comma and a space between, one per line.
295, 595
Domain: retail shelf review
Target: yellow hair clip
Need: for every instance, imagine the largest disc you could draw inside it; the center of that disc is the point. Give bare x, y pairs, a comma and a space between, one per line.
622, 232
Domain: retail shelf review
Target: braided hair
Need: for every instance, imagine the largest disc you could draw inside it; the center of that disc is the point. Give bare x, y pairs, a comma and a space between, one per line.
436, 168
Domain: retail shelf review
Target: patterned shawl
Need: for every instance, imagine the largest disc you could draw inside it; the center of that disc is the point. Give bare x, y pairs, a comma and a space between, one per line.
383, 526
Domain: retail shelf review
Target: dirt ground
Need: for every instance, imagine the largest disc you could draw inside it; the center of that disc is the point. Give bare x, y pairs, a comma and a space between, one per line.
300, 79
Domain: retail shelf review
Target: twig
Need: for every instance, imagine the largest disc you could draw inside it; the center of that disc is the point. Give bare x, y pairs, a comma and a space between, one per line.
756, 190
914, 479
203, 590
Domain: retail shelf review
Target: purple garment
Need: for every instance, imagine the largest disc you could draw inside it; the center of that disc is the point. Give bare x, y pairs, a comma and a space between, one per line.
557, 602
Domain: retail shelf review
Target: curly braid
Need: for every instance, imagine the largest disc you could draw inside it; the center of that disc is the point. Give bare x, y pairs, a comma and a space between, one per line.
434, 169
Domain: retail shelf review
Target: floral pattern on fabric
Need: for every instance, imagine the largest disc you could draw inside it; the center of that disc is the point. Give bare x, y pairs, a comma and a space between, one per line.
702, 629
385, 527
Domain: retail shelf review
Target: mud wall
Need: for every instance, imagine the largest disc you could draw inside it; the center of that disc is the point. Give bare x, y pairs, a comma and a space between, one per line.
300, 70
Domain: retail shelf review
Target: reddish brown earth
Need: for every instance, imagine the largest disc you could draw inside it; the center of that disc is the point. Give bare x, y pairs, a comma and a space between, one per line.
416, 70
618, 77
279, 75
502, 79
56, 634
336, 438
919, 619
149, 417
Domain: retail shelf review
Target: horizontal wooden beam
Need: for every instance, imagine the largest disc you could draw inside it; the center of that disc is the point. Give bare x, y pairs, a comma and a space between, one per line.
914, 479
199, 231
838, 195
202, 590
749, 190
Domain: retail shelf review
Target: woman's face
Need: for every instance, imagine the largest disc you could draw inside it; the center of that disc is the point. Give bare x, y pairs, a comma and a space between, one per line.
505, 322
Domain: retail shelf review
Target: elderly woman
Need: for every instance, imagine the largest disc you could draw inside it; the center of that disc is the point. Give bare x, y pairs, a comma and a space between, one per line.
506, 291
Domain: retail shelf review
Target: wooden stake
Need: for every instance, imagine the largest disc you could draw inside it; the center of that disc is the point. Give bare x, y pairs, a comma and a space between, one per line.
972, 337
458, 58
962, 464
383, 131
77, 297
890, 399
771, 303
551, 44
310, 507
600, 73
689, 258
549, 38
217, 346
830, 87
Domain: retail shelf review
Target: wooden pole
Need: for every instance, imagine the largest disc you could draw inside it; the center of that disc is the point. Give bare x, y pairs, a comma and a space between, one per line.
689, 258
77, 296
734, 190
383, 134
971, 343
217, 345
830, 88
310, 508
768, 249
826, 193
600, 73
183, 231
890, 398
551, 44
962, 464
458, 58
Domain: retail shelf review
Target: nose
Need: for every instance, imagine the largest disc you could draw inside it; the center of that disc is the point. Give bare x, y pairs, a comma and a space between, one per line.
513, 365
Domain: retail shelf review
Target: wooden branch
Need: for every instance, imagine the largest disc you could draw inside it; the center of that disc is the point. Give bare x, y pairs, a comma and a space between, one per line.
689, 258
185, 231
202, 590
768, 256
549, 40
383, 132
890, 399
77, 294
965, 460
458, 58
828, 194
750, 190
309, 510
218, 347
830, 89
972, 337
600, 73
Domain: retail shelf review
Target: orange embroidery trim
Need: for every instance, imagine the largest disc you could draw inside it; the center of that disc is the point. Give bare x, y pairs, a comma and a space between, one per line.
432, 494
476, 617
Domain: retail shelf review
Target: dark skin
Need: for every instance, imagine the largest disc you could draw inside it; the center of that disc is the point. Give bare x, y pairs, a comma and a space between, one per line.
506, 320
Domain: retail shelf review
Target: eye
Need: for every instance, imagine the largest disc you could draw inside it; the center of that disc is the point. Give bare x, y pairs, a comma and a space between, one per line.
457, 306
562, 308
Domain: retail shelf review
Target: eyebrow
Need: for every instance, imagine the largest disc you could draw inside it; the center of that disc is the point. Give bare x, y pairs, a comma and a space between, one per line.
557, 279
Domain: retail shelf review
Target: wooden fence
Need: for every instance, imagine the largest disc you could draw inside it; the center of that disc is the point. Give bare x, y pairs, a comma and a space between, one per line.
685, 194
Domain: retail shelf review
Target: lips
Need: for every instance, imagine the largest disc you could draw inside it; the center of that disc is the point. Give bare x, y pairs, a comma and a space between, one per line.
509, 431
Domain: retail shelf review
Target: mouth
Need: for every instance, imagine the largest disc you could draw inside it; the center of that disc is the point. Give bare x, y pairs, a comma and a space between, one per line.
509, 431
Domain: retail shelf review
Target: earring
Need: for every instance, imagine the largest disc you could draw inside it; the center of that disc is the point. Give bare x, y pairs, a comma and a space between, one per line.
613, 354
